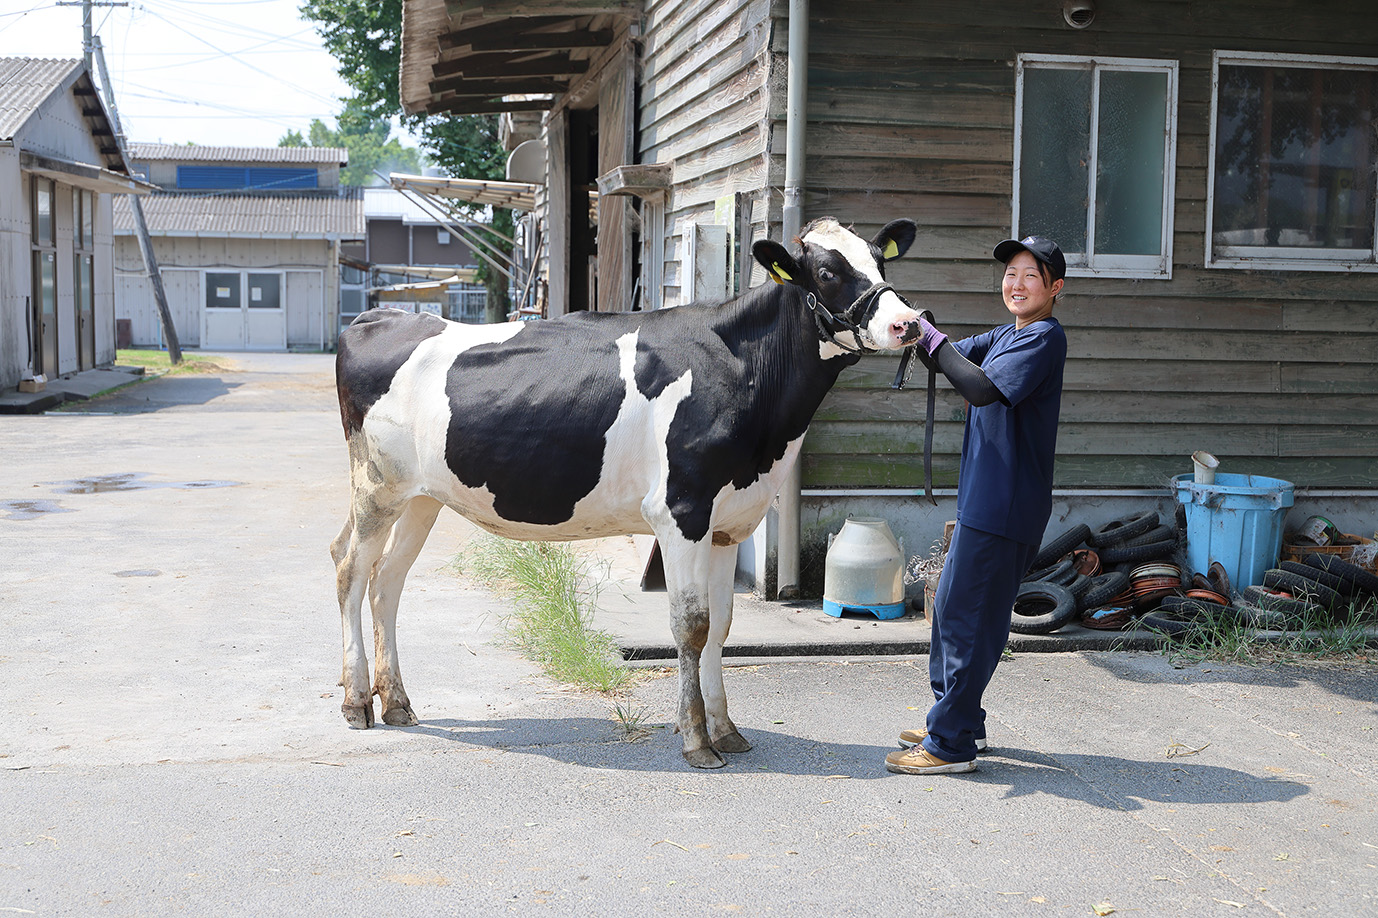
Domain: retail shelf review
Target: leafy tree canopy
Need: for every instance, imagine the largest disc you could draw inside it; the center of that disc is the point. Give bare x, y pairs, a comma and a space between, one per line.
371, 150
365, 37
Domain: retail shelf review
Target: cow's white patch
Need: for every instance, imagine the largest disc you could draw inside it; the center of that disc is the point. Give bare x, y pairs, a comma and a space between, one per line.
886, 329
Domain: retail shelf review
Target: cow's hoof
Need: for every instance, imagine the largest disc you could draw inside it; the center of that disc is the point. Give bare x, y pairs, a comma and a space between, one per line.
400, 716
358, 716
704, 758
732, 742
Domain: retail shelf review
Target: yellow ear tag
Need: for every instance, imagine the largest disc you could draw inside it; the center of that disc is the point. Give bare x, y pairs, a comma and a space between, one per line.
892, 250
778, 274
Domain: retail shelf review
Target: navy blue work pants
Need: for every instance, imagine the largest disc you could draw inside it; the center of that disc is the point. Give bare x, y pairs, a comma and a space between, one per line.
971, 624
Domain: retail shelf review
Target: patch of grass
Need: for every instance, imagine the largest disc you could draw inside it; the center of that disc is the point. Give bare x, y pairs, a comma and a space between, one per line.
159, 362
553, 595
1311, 637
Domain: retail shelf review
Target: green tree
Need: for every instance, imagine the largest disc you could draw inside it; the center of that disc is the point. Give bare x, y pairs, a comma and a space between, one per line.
371, 149
365, 36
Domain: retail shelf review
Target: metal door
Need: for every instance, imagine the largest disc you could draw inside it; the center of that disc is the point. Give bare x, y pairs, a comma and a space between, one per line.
45, 313
86, 317
265, 320
224, 312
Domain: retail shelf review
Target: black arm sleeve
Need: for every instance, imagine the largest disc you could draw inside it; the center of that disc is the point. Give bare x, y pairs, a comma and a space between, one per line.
967, 378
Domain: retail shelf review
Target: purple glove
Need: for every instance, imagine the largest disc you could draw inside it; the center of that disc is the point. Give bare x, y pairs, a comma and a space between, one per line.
930, 339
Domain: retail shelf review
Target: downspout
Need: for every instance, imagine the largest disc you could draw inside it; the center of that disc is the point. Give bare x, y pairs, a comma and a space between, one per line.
796, 116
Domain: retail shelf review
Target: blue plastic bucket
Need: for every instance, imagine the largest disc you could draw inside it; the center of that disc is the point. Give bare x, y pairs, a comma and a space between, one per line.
1237, 520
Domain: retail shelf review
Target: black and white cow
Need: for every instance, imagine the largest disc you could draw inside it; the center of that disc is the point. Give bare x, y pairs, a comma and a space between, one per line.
679, 423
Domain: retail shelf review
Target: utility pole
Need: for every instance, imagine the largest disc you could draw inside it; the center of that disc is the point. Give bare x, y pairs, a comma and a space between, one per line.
91, 47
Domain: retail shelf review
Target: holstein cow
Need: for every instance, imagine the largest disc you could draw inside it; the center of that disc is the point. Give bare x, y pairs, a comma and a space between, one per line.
680, 423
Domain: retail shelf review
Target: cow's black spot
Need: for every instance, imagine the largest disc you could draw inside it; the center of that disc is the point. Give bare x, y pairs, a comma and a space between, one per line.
371, 351
529, 416
757, 381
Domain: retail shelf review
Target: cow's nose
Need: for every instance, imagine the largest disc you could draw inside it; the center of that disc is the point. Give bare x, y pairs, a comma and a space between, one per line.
906, 332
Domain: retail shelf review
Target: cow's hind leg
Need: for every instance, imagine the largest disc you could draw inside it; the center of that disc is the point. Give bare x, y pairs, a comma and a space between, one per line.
686, 578
371, 519
722, 570
384, 591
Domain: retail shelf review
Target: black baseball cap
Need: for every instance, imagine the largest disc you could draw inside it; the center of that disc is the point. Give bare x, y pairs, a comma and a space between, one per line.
1040, 247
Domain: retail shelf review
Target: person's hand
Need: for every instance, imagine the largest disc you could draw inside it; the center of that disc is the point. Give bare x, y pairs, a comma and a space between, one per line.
930, 339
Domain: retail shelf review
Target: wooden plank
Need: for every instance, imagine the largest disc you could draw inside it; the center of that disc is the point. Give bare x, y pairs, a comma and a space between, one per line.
905, 142
975, 110
934, 176
927, 209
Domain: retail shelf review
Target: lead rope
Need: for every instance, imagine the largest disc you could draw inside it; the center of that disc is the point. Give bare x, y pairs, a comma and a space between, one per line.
906, 367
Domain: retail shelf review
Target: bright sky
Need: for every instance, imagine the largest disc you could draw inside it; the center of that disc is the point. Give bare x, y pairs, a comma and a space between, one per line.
213, 72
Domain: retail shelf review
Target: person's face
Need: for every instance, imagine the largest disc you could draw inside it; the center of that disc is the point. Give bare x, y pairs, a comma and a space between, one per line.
1028, 296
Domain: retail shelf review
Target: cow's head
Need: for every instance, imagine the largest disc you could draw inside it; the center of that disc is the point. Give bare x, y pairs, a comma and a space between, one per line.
846, 275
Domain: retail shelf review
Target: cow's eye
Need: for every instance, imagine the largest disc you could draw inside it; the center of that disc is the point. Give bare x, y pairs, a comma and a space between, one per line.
825, 275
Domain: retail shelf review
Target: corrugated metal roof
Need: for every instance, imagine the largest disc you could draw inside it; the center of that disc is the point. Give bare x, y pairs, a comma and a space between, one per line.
24, 83
283, 216
142, 152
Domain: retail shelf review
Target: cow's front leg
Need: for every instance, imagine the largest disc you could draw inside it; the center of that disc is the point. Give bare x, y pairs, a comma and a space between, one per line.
384, 590
686, 577
722, 571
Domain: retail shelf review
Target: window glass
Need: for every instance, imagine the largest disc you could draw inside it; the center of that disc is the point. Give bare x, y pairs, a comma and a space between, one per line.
1294, 156
1130, 161
222, 290
88, 219
1094, 151
43, 212
1055, 154
265, 291
47, 282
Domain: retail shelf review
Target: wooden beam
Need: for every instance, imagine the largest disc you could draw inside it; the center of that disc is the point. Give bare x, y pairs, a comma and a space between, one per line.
498, 27
464, 106
502, 65
489, 88
529, 8
541, 41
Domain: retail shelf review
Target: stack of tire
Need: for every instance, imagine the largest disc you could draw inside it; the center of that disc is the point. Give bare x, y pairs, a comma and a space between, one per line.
1065, 582
1319, 589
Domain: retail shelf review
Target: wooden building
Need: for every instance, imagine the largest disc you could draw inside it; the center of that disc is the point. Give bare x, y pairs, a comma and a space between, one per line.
248, 243
1209, 167
60, 167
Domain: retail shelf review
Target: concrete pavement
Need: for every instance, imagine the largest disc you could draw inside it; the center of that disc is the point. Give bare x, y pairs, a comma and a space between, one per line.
170, 650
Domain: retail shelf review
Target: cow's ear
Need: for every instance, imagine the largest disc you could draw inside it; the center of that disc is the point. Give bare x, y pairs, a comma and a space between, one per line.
895, 239
777, 261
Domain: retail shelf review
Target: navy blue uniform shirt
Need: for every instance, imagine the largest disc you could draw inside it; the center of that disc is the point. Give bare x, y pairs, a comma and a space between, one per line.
1005, 484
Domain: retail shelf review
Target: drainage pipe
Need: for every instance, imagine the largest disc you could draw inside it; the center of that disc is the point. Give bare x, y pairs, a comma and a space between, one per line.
796, 116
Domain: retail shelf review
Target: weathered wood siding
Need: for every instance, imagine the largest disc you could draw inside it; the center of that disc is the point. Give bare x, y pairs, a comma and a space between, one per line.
911, 113
705, 108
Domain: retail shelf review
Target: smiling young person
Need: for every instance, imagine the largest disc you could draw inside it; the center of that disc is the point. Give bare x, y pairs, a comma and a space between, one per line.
1011, 376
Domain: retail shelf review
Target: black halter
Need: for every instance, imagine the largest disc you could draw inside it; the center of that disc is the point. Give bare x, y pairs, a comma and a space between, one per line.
831, 324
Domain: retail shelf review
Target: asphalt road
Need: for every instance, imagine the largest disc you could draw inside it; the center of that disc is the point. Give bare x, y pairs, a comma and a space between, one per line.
169, 646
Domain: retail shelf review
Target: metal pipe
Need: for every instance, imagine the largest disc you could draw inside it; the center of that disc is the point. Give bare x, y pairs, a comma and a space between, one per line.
792, 218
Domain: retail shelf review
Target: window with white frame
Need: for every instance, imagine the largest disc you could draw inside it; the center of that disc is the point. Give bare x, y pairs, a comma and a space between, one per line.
1293, 155
1094, 149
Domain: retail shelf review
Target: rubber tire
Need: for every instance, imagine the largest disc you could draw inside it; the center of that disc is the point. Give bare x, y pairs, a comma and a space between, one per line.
1078, 587
1051, 553
1172, 622
1056, 607
1360, 580
1322, 595
1126, 554
1324, 578
1201, 606
1157, 534
1293, 608
1062, 573
1103, 589
1117, 531
1263, 619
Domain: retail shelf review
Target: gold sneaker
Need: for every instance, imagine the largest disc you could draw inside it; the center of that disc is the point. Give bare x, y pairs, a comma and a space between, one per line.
919, 761
910, 738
